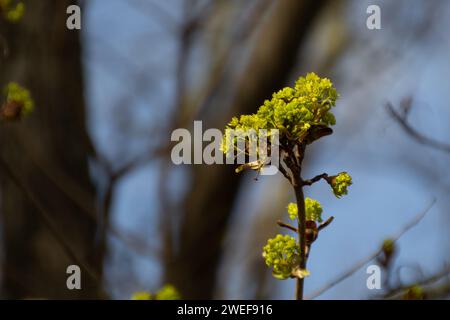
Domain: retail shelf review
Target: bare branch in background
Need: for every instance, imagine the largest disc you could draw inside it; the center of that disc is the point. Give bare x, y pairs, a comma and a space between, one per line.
78, 196
156, 12
358, 265
47, 219
398, 292
402, 119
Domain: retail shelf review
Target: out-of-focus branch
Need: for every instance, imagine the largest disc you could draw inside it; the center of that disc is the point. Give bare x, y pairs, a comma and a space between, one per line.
77, 195
156, 12
227, 56
358, 265
49, 223
411, 131
4, 46
438, 292
186, 32
398, 292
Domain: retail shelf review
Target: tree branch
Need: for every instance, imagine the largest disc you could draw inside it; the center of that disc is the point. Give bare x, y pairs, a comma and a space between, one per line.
287, 226
396, 292
325, 224
362, 262
50, 224
419, 137
302, 236
315, 179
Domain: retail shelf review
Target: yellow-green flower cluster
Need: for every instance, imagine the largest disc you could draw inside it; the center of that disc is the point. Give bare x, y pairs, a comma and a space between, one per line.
12, 12
340, 183
15, 93
388, 246
283, 254
313, 210
292, 210
141, 295
168, 292
293, 111
415, 292
246, 128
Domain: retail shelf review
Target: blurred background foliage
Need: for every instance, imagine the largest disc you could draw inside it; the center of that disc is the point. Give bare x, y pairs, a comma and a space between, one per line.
87, 178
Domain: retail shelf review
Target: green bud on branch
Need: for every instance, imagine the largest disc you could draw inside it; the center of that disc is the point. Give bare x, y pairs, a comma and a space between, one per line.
18, 103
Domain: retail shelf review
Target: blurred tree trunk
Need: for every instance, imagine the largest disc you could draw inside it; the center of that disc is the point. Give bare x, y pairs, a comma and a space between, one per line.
45, 57
208, 205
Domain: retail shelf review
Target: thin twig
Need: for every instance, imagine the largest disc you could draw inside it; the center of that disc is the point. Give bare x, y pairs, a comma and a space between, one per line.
4, 46
156, 12
77, 195
325, 224
50, 224
287, 226
419, 137
364, 261
315, 179
395, 292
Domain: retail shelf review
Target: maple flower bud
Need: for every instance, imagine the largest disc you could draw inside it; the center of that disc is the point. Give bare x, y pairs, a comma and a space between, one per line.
18, 103
340, 183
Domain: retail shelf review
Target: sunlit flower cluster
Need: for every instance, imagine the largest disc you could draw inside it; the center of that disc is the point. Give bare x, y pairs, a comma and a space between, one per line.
293, 111
282, 253
340, 183
313, 210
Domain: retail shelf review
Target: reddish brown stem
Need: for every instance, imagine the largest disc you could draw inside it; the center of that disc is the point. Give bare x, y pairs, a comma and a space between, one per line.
301, 235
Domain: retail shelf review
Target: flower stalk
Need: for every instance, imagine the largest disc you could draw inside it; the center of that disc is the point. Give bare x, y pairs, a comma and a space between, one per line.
302, 238
301, 115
